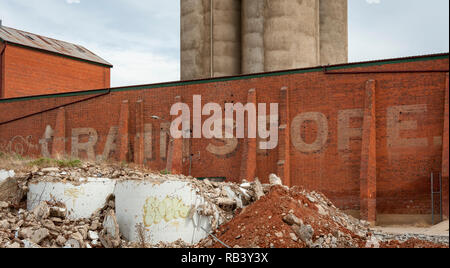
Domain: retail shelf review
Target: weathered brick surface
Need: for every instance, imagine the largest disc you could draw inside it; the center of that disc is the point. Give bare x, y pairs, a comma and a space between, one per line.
368, 183
445, 153
27, 72
324, 130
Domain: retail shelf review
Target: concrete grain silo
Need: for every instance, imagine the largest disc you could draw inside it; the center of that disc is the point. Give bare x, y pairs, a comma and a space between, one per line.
333, 32
291, 34
210, 38
231, 37
253, 50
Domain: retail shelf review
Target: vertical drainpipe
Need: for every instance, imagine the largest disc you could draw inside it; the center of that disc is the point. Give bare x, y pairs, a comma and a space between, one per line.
212, 37
2, 62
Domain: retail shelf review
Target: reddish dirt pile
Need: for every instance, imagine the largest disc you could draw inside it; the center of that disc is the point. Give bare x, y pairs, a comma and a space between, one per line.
263, 225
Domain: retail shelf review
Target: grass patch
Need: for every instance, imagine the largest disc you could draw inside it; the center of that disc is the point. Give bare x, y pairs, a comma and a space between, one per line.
42, 162
69, 163
165, 172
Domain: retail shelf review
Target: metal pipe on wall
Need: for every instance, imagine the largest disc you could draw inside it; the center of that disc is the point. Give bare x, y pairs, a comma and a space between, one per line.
2, 50
210, 38
232, 37
227, 38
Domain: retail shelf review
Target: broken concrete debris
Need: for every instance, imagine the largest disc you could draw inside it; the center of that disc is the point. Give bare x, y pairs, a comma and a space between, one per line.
72, 207
41, 228
82, 198
275, 180
297, 218
12, 187
57, 207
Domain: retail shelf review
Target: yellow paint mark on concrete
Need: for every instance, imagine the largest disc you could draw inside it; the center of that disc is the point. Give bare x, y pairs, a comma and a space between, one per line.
169, 209
74, 192
176, 224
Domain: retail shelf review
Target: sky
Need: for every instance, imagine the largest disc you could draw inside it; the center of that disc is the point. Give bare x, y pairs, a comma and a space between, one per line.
141, 38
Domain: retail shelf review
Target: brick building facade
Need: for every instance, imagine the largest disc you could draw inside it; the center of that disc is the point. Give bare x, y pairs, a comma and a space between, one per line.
368, 135
36, 65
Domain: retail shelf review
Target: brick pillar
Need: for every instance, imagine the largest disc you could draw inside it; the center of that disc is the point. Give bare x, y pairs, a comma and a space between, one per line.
123, 131
186, 157
139, 143
175, 152
445, 178
59, 135
284, 138
368, 175
248, 162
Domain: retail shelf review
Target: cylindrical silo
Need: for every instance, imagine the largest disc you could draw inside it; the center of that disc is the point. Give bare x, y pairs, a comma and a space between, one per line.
333, 32
291, 34
253, 36
199, 41
226, 37
195, 39
230, 37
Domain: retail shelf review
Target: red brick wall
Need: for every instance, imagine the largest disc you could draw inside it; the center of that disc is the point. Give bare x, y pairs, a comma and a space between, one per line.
30, 72
445, 153
324, 135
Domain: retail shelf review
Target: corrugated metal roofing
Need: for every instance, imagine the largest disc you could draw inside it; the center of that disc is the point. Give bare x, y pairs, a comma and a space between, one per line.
31, 40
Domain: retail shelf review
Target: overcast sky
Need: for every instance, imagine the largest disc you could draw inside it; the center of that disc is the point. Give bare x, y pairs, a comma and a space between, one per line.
141, 37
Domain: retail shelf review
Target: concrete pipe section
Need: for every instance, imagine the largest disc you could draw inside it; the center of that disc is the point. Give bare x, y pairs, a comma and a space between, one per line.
4, 174
81, 199
167, 211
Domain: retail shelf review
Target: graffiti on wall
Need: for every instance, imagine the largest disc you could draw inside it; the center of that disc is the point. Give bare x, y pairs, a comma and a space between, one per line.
168, 209
310, 134
19, 145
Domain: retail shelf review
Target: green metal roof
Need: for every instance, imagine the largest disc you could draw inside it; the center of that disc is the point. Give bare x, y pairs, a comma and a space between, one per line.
240, 77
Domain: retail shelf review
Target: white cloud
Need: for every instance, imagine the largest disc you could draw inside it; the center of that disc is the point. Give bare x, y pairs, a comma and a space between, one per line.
141, 38
73, 1
138, 65
141, 67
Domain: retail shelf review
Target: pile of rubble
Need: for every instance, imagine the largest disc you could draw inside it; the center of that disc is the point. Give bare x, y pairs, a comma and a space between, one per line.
411, 240
42, 228
248, 215
230, 198
296, 218
47, 226
225, 197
